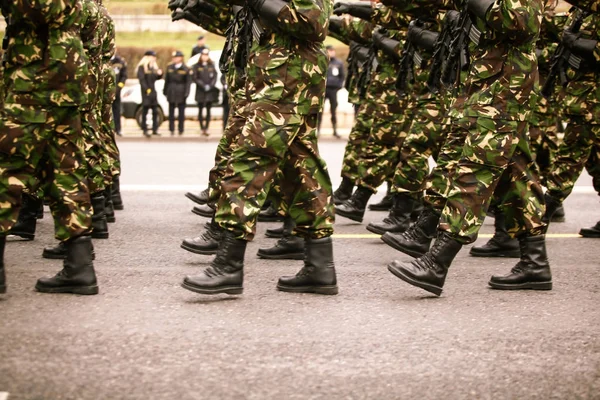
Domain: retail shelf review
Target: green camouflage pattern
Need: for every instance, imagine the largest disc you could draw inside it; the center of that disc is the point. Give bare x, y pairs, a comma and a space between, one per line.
581, 140
269, 142
495, 161
357, 140
58, 81
286, 71
46, 144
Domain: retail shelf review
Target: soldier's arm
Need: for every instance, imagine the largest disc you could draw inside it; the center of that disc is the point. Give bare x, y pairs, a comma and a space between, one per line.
390, 18
357, 30
303, 19
513, 19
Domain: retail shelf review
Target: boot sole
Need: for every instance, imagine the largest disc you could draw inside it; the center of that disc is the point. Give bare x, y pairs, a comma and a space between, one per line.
293, 256
351, 217
270, 219
395, 245
557, 219
225, 289
501, 254
100, 235
379, 231
522, 286
203, 214
111, 220
195, 199
326, 290
379, 208
26, 236
273, 236
196, 251
590, 234
118, 208
84, 290
50, 256
430, 288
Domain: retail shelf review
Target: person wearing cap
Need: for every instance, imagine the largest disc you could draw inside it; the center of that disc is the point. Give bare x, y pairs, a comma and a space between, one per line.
336, 77
119, 65
205, 77
200, 46
148, 73
177, 88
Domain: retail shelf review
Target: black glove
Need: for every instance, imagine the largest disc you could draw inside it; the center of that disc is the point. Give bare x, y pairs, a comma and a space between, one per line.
392, 3
479, 8
199, 6
358, 10
386, 44
175, 4
188, 16
269, 10
335, 25
581, 47
420, 37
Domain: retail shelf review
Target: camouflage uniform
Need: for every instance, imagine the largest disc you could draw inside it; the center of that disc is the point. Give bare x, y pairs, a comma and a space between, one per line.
580, 101
45, 78
285, 96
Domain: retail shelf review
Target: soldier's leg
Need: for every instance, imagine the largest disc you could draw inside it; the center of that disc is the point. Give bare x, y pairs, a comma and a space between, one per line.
593, 168
354, 151
378, 161
568, 161
172, 107
181, 116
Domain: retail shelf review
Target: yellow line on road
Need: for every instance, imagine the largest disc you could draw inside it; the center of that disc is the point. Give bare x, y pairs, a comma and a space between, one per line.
486, 236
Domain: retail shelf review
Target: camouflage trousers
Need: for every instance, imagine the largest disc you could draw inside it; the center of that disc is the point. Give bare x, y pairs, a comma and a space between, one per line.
46, 145
382, 150
581, 137
593, 167
357, 141
424, 140
93, 151
111, 164
270, 142
439, 180
495, 160
543, 136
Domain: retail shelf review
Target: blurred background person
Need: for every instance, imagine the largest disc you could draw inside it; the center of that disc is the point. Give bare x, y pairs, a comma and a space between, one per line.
177, 88
200, 46
205, 77
119, 65
335, 81
148, 73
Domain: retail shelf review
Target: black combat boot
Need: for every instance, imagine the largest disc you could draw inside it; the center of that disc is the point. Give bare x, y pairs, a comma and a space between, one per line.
318, 274
116, 194
429, 271
355, 207
40, 211
27, 221
109, 209
204, 211
226, 273
501, 244
552, 204
275, 233
59, 252
399, 218
593, 232
208, 241
289, 247
531, 272
416, 240
77, 275
343, 193
200, 198
99, 223
271, 214
386, 203
2, 273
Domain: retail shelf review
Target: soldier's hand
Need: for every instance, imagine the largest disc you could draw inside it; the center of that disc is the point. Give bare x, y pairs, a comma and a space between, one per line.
335, 25
177, 15
341, 7
175, 4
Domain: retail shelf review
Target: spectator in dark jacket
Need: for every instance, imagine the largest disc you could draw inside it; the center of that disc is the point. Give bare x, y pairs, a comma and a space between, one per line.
177, 88
120, 67
205, 76
335, 81
148, 73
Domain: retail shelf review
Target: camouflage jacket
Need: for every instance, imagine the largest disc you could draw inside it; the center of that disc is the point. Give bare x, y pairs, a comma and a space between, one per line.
581, 96
286, 70
46, 63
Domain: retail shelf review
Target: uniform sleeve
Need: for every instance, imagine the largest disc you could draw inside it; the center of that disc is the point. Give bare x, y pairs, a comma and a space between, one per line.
517, 20
357, 30
390, 18
306, 19
142, 78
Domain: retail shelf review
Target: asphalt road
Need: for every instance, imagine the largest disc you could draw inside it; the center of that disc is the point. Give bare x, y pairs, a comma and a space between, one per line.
144, 337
